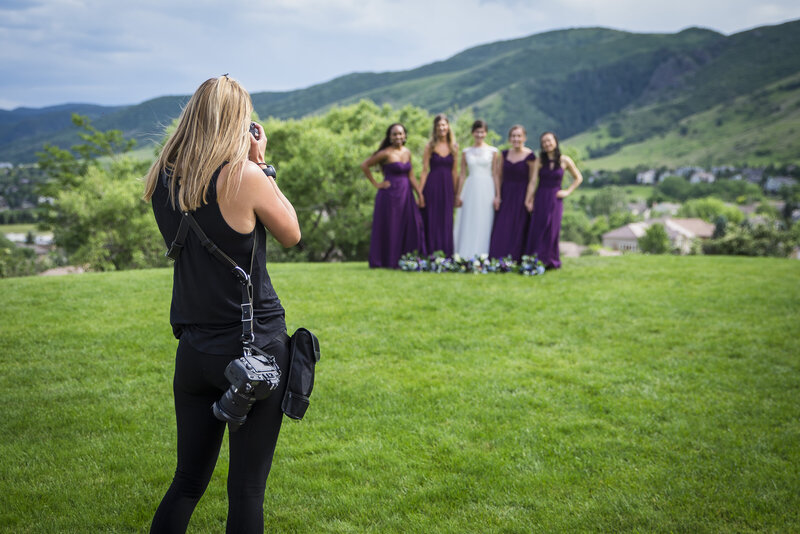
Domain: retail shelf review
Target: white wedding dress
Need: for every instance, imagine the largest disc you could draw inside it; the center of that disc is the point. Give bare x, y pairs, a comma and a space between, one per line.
473, 224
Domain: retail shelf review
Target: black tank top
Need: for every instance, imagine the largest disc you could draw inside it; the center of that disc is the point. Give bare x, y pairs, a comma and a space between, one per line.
206, 296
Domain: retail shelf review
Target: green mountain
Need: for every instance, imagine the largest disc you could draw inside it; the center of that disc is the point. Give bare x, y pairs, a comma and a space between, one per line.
623, 99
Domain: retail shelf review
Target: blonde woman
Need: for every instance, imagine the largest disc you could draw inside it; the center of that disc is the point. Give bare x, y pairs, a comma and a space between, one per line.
512, 219
211, 166
438, 181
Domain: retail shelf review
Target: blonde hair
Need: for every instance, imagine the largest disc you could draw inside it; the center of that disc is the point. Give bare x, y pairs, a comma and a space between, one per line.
451, 140
212, 129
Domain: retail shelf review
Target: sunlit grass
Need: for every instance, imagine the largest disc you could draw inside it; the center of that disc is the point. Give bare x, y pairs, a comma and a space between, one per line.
628, 394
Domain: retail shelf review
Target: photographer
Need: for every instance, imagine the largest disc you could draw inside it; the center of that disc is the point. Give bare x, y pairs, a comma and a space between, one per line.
212, 167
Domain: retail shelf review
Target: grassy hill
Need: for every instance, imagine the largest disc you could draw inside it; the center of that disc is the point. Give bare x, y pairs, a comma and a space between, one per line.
606, 89
759, 128
629, 394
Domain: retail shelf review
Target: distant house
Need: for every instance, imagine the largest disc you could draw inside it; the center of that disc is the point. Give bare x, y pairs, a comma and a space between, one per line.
702, 177
625, 238
665, 208
686, 172
681, 232
647, 177
638, 208
753, 175
774, 183
722, 169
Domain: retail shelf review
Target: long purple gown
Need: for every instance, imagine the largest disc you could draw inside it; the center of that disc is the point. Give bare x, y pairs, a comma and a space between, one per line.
437, 215
396, 222
546, 218
512, 219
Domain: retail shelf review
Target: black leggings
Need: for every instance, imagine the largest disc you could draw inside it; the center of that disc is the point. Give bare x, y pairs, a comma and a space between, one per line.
199, 382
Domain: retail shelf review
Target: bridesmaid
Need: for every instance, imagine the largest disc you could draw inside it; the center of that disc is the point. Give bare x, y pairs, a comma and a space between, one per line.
438, 181
396, 222
544, 199
512, 219
478, 195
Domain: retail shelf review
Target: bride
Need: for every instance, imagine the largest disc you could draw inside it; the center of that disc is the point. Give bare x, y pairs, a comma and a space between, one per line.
478, 196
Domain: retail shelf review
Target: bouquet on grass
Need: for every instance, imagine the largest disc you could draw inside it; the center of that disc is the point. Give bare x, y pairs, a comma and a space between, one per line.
481, 264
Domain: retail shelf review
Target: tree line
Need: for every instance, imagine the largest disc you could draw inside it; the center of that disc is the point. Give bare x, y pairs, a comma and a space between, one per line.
98, 219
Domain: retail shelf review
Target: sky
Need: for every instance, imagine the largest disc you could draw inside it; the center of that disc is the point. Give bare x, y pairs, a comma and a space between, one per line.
117, 53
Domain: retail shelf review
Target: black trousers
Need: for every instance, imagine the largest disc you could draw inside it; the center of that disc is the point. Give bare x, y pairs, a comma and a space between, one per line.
199, 382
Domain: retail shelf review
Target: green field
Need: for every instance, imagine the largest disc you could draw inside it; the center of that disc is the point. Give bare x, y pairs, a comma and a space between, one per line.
18, 228
759, 129
627, 394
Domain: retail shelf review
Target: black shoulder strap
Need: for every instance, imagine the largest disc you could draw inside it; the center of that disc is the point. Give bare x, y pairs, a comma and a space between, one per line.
187, 221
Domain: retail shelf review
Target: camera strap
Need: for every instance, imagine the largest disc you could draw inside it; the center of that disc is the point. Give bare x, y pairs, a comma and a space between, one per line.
187, 221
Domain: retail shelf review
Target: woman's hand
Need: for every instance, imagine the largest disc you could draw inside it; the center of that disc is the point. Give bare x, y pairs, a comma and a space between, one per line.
385, 184
458, 202
529, 204
258, 146
496, 202
420, 200
562, 193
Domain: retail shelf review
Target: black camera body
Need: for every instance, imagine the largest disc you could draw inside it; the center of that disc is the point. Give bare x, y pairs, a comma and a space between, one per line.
253, 377
254, 130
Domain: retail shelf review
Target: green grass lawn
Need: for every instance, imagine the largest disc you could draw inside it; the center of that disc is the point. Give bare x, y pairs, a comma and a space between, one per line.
18, 228
634, 193
626, 394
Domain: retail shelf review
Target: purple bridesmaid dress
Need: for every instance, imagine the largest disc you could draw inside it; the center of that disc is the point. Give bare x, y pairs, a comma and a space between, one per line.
512, 219
437, 215
546, 218
396, 222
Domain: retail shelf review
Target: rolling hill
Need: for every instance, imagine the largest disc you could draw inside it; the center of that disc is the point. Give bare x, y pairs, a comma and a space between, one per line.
622, 98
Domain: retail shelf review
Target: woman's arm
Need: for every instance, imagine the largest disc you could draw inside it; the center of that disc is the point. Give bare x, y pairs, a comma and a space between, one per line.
423, 176
497, 178
411, 178
269, 204
375, 159
462, 176
454, 171
533, 183
577, 177
258, 196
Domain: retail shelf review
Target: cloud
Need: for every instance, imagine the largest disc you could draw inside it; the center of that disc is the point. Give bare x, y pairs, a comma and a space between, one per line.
117, 53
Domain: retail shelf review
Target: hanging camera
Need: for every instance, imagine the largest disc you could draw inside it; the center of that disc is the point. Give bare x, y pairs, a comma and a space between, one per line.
253, 376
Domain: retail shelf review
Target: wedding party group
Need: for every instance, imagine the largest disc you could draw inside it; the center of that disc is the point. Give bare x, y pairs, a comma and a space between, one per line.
487, 202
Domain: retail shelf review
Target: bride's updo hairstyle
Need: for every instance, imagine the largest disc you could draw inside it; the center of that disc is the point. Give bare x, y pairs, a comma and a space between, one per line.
479, 124
212, 129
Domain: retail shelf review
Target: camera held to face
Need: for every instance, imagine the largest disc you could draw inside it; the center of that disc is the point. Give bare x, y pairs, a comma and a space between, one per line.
253, 376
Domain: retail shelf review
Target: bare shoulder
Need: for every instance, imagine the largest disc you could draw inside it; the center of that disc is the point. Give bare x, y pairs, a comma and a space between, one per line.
253, 183
566, 161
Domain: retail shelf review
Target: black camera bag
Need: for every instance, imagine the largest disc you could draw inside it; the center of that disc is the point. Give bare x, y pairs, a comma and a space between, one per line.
303, 357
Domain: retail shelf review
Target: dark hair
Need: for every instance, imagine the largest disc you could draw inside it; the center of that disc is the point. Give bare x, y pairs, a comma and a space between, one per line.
479, 124
556, 153
516, 127
386, 139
